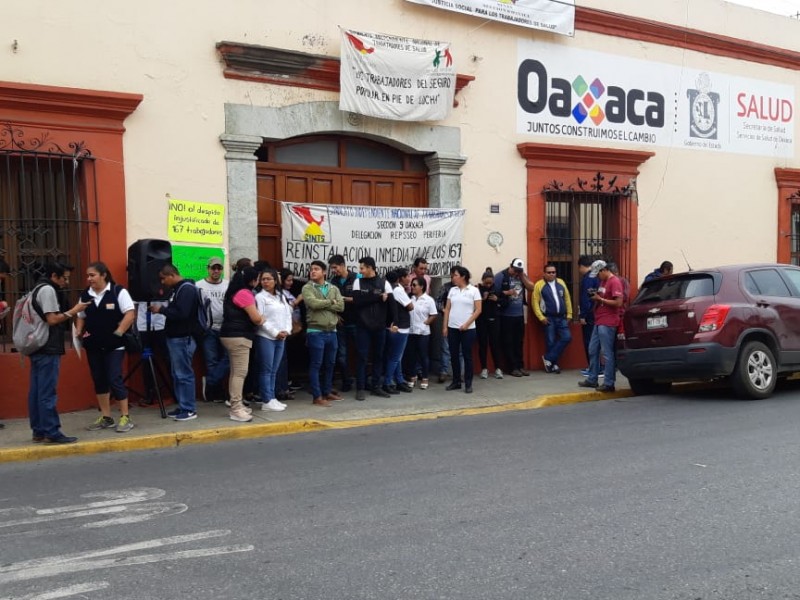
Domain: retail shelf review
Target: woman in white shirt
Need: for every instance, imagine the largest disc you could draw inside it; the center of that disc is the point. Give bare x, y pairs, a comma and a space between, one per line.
399, 326
271, 336
418, 347
462, 308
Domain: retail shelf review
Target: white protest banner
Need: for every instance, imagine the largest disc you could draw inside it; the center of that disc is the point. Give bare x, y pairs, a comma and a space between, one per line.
398, 78
394, 237
556, 16
574, 95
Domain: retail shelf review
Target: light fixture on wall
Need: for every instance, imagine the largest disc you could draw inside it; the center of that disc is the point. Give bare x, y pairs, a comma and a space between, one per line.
495, 240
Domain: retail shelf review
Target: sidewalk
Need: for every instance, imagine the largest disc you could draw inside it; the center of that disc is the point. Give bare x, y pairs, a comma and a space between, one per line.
539, 390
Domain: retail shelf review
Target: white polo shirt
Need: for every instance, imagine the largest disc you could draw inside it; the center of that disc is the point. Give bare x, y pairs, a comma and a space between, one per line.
462, 305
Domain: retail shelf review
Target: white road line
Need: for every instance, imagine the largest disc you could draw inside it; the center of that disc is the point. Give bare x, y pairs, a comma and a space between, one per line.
133, 547
65, 592
74, 567
113, 498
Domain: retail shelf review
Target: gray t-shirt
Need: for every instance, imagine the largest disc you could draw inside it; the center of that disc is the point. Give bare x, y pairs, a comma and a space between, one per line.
216, 293
47, 300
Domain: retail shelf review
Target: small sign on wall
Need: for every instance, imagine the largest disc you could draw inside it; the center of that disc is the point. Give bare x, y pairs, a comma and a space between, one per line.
197, 222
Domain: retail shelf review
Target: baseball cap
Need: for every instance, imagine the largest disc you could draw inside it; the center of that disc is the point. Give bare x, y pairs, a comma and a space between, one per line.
214, 262
518, 264
597, 266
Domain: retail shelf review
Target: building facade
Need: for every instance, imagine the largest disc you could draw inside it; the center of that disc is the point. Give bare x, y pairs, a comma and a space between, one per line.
659, 131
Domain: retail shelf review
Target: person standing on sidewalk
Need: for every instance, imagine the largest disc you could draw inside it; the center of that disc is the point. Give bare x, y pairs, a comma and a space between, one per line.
370, 293
101, 326
398, 327
588, 286
552, 305
4, 271
462, 309
240, 318
181, 318
488, 327
417, 356
608, 304
213, 287
324, 304
510, 286
271, 336
45, 363
343, 279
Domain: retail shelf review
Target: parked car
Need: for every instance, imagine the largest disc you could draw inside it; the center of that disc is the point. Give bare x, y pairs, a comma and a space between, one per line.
740, 322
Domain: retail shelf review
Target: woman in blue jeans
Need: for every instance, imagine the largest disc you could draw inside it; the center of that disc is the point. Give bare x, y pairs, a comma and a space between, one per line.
460, 312
271, 336
398, 329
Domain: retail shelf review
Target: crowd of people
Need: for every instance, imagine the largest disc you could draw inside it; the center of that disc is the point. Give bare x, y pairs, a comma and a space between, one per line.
385, 322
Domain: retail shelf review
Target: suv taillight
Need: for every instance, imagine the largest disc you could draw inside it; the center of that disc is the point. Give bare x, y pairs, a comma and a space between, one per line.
714, 318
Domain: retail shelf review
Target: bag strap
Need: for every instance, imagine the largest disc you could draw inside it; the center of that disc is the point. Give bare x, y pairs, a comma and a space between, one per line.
35, 303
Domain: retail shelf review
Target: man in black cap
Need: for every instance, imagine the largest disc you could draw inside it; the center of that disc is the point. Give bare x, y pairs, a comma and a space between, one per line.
510, 285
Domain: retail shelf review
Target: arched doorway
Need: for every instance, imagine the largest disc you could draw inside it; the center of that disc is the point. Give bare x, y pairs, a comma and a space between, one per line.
329, 169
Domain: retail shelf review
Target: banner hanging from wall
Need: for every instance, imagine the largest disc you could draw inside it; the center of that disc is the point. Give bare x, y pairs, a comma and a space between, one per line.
398, 78
394, 237
557, 16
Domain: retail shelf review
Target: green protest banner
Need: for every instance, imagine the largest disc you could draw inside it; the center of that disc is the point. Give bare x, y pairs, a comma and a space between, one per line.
192, 260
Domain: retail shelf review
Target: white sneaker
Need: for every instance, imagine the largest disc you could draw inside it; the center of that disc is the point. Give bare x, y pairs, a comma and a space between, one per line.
273, 405
484, 373
498, 374
240, 415
283, 404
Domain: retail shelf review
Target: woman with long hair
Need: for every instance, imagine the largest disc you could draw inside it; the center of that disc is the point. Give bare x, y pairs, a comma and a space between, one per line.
487, 326
398, 327
283, 391
240, 318
101, 326
460, 312
271, 336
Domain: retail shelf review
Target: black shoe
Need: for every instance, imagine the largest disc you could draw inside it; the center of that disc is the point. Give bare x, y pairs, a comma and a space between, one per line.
587, 384
361, 395
556, 369
347, 385
61, 439
404, 387
390, 389
516, 373
606, 388
524, 372
453, 386
379, 392
468, 389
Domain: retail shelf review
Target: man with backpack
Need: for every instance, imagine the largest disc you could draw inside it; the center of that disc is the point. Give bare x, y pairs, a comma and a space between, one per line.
181, 327
46, 361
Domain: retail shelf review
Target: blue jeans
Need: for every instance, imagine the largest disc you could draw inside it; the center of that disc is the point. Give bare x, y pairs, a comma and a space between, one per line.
557, 336
42, 395
366, 341
394, 358
461, 344
216, 357
321, 360
344, 335
181, 351
270, 354
603, 341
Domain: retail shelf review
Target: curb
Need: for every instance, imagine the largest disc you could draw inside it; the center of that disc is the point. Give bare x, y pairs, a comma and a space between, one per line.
219, 434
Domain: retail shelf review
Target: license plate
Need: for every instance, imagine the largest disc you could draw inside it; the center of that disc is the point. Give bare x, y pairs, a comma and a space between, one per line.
657, 322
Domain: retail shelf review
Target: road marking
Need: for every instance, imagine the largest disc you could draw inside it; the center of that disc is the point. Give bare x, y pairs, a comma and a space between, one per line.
113, 498
65, 592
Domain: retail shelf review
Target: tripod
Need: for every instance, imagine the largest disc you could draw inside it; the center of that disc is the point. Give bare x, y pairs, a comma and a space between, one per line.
152, 368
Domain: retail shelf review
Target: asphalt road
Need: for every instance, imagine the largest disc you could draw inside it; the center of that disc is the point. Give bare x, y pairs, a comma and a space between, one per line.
679, 497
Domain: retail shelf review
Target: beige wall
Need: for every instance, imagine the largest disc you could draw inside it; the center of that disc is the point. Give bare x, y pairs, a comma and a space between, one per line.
717, 208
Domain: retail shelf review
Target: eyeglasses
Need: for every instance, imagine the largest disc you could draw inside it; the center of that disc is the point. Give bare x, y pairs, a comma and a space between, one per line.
414, 285
216, 268
549, 272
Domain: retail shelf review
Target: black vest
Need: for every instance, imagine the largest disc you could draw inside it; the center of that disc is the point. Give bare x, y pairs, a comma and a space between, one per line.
102, 321
235, 321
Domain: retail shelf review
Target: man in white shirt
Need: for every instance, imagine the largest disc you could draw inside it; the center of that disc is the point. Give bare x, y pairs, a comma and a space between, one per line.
214, 287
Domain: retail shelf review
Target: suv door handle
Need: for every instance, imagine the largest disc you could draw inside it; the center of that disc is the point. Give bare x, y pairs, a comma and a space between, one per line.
762, 304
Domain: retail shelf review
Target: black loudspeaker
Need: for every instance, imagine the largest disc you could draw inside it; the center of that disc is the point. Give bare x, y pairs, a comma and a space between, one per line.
145, 259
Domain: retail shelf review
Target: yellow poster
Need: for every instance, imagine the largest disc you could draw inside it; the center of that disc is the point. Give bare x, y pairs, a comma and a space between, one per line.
197, 222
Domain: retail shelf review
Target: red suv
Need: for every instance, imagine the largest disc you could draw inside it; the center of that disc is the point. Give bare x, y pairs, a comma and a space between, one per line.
741, 322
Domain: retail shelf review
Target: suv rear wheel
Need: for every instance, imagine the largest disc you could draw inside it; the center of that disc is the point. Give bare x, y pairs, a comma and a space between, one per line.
646, 387
755, 374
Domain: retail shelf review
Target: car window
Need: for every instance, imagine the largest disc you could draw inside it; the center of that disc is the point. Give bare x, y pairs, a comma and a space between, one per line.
676, 288
794, 277
767, 282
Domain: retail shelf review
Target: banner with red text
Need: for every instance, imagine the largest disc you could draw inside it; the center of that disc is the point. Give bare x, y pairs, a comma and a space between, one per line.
398, 78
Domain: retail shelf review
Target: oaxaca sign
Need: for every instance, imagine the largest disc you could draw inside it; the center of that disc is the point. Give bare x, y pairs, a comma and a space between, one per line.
399, 78
394, 237
557, 16
575, 94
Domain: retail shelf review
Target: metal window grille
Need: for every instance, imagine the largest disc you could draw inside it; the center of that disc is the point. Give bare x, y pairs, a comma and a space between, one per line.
46, 197
794, 236
587, 218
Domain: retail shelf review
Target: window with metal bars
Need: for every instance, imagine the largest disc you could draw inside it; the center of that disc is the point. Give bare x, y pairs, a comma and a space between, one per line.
594, 220
45, 197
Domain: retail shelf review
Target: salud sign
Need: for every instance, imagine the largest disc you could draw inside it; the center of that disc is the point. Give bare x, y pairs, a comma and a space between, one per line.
398, 78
